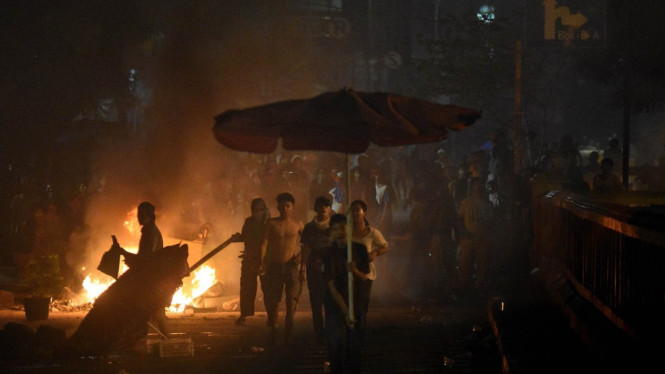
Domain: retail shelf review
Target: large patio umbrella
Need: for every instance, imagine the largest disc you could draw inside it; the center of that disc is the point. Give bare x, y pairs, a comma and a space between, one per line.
343, 121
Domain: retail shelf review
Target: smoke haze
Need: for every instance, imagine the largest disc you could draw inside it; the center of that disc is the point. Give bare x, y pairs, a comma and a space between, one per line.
200, 58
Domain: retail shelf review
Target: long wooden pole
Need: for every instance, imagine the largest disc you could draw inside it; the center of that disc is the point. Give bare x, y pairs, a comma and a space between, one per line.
349, 229
627, 92
210, 254
517, 161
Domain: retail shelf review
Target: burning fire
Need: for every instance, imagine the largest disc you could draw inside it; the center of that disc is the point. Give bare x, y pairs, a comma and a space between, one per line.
132, 223
200, 281
193, 286
95, 286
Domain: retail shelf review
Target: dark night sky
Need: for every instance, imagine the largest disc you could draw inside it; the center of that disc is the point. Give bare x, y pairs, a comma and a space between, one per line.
200, 57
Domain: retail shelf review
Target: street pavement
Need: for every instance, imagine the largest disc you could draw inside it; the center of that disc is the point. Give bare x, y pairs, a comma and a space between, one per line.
400, 338
513, 329
509, 328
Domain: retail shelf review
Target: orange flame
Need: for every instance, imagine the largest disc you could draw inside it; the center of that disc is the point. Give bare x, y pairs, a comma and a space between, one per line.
194, 286
132, 222
200, 281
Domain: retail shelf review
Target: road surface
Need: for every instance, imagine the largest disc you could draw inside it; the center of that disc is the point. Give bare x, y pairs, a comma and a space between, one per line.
399, 339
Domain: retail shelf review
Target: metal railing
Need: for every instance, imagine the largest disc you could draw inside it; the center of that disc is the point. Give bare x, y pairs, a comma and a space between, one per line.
611, 248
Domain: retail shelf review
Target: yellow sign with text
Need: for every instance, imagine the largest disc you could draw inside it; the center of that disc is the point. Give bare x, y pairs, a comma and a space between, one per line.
566, 22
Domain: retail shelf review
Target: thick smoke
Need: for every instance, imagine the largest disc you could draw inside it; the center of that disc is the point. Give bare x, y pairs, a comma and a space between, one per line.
200, 58
648, 139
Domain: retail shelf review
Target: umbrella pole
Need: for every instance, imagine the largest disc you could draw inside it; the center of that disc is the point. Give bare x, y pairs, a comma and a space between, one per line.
209, 255
349, 229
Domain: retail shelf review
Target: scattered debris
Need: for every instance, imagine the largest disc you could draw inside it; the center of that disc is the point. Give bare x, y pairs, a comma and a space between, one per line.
231, 305
69, 306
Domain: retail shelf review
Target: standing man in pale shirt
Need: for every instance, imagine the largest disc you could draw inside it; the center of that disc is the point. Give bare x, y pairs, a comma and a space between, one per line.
372, 239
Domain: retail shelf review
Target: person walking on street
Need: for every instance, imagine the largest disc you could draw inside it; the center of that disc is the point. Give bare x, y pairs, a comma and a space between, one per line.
281, 264
315, 239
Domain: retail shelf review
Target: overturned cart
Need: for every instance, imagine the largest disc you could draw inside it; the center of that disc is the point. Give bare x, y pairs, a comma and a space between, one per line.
119, 317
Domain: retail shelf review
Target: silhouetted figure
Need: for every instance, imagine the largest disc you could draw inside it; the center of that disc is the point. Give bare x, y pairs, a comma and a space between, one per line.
568, 150
573, 174
475, 215
614, 152
252, 234
590, 170
606, 180
151, 242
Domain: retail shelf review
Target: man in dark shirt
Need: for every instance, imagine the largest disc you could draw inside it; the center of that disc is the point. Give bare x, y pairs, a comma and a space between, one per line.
315, 239
253, 231
151, 242
151, 238
343, 333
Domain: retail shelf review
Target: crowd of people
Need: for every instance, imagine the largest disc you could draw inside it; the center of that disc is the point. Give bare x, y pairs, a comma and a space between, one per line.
459, 225
466, 225
284, 253
425, 184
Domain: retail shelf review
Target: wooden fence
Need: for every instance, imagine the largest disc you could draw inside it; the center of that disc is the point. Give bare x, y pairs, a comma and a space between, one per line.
612, 250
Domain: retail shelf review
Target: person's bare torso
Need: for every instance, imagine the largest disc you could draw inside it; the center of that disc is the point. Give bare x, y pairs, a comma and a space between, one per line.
283, 239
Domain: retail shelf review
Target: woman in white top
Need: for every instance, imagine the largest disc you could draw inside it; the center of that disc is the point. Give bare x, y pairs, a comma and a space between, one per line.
371, 238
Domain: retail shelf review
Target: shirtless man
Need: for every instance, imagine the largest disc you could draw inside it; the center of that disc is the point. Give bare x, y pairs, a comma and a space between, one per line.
280, 261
